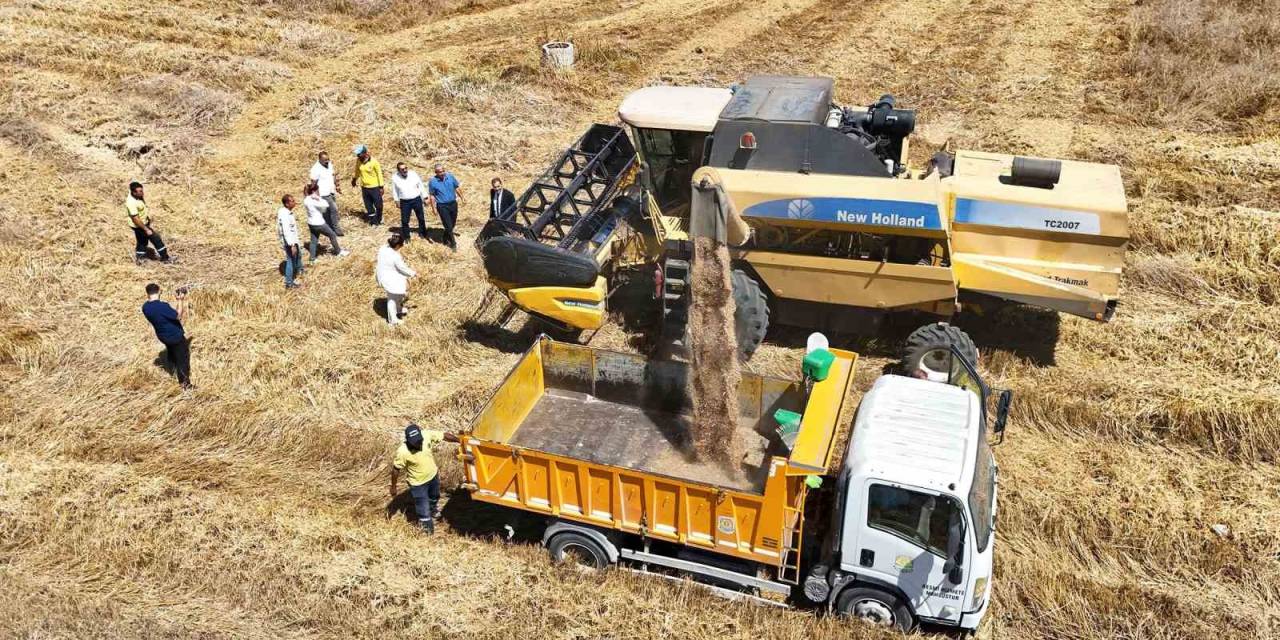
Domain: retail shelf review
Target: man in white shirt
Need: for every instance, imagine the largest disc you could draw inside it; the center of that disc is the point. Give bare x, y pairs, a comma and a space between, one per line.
316, 207
406, 189
287, 229
322, 178
393, 275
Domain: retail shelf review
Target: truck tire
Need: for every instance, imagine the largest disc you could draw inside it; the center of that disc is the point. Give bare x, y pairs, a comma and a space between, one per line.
576, 549
877, 607
929, 346
751, 314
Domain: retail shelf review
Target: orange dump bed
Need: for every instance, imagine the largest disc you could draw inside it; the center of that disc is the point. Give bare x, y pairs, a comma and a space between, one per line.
600, 438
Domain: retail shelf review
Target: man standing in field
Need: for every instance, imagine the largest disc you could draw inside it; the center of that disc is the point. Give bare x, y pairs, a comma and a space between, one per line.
393, 275
419, 466
500, 199
406, 190
327, 188
445, 194
167, 323
287, 230
135, 206
369, 177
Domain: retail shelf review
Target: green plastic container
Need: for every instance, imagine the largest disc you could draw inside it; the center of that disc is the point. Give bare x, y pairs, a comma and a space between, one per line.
817, 364
788, 426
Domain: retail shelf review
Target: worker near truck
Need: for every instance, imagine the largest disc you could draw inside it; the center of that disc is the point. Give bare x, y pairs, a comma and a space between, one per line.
414, 459
445, 192
135, 206
369, 177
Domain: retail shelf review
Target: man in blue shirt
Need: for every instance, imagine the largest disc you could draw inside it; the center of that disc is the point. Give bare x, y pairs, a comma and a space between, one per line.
167, 322
445, 193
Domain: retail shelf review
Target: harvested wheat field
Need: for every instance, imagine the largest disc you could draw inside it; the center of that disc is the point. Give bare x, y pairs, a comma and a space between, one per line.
256, 505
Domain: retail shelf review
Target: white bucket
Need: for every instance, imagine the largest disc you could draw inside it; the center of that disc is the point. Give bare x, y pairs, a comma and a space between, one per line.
558, 55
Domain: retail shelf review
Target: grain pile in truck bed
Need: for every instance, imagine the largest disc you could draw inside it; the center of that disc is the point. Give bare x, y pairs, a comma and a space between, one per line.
581, 426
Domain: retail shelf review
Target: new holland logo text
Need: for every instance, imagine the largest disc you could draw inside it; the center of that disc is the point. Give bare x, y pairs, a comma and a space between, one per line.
888, 219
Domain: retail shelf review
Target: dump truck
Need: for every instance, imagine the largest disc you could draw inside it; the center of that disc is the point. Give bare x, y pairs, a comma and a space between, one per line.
594, 444
842, 229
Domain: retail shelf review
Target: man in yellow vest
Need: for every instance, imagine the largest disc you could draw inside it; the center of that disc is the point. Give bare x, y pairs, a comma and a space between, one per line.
415, 460
135, 206
369, 177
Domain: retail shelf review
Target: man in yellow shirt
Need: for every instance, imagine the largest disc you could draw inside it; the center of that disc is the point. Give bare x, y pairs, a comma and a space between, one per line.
415, 460
369, 177
135, 206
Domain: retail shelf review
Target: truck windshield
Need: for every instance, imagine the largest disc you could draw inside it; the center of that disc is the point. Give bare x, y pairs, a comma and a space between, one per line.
919, 518
982, 493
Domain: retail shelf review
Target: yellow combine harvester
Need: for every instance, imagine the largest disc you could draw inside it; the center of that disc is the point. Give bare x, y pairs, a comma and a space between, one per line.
840, 229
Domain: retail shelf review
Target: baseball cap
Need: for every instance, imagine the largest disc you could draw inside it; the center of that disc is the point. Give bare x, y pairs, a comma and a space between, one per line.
413, 435
359, 149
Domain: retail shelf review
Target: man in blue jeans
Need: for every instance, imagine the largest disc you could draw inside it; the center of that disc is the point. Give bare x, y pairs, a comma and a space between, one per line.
167, 323
415, 460
445, 192
287, 230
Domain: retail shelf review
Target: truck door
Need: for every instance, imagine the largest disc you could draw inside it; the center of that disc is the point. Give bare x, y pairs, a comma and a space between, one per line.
903, 540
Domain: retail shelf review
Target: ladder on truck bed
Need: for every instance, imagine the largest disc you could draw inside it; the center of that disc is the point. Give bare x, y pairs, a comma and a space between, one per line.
557, 207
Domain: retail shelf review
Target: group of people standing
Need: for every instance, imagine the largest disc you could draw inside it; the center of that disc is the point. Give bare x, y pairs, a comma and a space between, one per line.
442, 192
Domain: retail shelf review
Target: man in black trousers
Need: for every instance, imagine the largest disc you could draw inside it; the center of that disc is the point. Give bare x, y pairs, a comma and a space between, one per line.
167, 323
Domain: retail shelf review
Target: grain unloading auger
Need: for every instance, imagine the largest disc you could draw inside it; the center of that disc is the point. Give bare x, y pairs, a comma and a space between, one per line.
842, 230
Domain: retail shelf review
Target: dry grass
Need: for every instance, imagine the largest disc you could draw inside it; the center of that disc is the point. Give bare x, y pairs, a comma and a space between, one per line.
1205, 63
256, 506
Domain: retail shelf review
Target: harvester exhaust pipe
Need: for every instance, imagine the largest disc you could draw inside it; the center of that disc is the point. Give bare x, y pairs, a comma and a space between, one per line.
1035, 172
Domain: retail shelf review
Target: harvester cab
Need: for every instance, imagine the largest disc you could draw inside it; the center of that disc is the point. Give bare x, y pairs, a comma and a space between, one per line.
842, 230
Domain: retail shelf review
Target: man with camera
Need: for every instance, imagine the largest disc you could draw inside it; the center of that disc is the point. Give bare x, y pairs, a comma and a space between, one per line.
167, 323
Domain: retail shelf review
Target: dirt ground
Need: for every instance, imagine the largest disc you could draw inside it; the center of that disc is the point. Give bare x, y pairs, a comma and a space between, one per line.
257, 505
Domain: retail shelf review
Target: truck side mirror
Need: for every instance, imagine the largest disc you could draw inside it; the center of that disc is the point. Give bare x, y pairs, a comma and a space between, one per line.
1002, 414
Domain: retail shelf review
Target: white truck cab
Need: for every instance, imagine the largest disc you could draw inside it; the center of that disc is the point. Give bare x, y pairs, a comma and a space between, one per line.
913, 535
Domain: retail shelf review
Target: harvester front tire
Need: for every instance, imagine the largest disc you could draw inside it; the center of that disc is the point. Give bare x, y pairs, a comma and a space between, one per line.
751, 314
876, 607
929, 348
577, 550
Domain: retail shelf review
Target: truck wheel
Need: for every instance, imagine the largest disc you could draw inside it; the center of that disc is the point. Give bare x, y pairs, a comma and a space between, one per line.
751, 314
929, 350
877, 607
578, 550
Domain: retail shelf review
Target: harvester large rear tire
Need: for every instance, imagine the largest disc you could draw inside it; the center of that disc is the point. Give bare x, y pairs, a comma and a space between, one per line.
751, 314
929, 347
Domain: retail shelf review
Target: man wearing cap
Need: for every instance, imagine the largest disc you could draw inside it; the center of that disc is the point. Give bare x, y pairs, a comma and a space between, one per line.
369, 177
135, 206
445, 192
415, 460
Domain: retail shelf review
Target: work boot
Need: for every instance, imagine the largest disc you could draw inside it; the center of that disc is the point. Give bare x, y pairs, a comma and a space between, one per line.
428, 527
